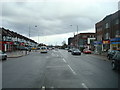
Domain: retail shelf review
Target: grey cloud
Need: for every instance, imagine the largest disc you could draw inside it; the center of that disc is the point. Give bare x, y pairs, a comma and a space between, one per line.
52, 17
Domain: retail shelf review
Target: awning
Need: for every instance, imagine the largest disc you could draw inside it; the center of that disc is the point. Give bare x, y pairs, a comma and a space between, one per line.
115, 39
115, 42
97, 42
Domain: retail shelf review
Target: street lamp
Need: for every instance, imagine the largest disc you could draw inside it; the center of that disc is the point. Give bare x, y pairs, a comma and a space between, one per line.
38, 34
77, 36
29, 31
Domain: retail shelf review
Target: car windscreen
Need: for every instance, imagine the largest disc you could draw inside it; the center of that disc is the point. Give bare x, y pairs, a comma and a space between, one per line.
43, 48
76, 50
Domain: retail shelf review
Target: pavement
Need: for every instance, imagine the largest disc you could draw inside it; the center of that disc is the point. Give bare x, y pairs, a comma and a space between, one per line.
16, 54
102, 55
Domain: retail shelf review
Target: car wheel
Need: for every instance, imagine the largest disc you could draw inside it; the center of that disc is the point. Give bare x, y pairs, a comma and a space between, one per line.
114, 66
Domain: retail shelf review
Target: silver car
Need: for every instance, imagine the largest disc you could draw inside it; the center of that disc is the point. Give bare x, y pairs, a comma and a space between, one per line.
3, 56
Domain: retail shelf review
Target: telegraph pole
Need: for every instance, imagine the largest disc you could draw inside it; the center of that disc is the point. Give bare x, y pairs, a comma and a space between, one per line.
29, 31
38, 34
77, 37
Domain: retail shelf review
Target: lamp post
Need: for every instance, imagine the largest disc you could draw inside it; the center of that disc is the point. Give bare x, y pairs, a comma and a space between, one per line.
77, 37
38, 34
29, 31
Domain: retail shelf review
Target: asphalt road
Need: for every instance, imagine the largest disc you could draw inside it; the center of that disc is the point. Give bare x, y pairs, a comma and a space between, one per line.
59, 69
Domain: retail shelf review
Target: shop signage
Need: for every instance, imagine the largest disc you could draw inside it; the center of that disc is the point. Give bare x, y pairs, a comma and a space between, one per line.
7, 42
97, 42
106, 41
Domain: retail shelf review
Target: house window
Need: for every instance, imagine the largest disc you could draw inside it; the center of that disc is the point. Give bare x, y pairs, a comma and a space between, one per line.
117, 21
107, 36
117, 34
106, 25
4, 38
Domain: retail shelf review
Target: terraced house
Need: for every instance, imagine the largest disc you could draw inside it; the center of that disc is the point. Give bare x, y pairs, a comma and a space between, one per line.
11, 41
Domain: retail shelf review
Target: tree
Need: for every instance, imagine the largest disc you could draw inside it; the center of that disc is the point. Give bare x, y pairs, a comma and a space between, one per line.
64, 45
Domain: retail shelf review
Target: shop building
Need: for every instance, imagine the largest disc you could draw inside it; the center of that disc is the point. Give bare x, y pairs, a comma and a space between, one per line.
108, 32
82, 40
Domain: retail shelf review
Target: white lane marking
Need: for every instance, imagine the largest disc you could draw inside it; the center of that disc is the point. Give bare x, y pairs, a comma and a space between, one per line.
54, 51
43, 87
52, 87
72, 70
64, 60
84, 86
53, 54
47, 57
54, 66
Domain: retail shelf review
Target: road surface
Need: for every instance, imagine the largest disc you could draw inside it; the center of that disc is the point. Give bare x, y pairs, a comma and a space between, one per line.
59, 69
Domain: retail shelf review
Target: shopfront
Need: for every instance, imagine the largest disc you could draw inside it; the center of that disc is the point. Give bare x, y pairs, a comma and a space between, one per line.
115, 43
105, 45
98, 47
6, 46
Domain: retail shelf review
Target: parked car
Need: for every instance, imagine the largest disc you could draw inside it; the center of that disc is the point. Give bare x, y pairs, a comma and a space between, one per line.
70, 50
111, 53
76, 52
66, 48
116, 61
43, 49
87, 51
3, 56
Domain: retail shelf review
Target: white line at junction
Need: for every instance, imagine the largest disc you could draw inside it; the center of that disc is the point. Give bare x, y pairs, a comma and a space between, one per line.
72, 70
64, 60
43, 87
84, 86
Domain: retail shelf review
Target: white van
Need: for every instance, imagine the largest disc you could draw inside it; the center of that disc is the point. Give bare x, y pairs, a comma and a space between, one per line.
43, 49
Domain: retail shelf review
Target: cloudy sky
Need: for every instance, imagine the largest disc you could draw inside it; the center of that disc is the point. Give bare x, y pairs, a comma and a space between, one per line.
54, 20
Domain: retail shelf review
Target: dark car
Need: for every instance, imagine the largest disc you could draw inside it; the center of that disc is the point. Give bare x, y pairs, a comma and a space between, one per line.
3, 56
76, 52
111, 53
116, 61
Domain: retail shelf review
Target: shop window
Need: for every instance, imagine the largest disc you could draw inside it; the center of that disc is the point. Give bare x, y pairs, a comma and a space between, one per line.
118, 46
118, 32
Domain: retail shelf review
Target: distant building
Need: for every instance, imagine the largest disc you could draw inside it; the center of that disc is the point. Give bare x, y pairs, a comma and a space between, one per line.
70, 42
82, 40
85, 40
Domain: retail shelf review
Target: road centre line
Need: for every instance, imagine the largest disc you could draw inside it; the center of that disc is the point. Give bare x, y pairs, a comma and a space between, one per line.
72, 70
84, 86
